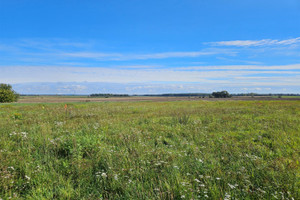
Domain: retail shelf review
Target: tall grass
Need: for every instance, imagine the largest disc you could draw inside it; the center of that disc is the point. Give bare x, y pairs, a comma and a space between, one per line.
147, 150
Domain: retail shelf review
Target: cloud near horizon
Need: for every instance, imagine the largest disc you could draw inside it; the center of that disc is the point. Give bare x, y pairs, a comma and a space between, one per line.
286, 76
21, 74
256, 43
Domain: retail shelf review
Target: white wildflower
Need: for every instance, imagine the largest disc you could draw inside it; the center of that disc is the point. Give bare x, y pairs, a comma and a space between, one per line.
59, 123
104, 175
24, 134
227, 196
96, 126
116, 177
260, 190
98, 174
197, 180
11, 167
13, 133
232, 186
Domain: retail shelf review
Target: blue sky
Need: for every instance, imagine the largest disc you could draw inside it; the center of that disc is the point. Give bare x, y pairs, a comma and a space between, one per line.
136, 47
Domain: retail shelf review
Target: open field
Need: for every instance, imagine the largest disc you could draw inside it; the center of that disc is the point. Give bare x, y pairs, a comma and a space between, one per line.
150, 150
61, 99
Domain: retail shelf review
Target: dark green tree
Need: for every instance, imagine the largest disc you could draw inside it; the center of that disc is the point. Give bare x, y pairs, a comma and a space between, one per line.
222, 94
7, 94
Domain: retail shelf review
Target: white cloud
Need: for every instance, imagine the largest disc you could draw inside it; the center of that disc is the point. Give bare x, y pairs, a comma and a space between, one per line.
264, 42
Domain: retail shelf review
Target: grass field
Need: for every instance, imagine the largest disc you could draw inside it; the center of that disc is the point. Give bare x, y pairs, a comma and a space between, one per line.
150, 150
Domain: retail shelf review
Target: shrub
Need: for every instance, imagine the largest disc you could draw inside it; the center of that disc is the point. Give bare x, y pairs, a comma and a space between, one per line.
7, 94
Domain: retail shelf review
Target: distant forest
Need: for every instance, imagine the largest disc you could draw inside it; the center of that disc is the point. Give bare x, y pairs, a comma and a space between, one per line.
165, 95
108, 95
209, 94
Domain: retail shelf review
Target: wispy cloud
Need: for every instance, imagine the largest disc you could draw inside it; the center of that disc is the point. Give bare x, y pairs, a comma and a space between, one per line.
263, 42
119, 56
51, 44
243, 67
59, 50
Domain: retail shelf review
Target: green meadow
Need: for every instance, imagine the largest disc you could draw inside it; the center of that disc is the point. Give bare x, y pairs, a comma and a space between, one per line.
150, 150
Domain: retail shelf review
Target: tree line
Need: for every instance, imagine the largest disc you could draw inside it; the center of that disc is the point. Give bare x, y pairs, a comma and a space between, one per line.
7, 94
108, 95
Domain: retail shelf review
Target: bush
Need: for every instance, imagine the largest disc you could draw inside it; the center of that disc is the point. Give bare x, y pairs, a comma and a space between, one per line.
7, 94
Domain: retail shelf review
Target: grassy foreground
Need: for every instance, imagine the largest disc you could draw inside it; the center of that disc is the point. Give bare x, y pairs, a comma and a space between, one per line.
146, 150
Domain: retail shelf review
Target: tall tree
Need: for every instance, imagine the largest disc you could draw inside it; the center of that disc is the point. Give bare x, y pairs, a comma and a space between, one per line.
7, 94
